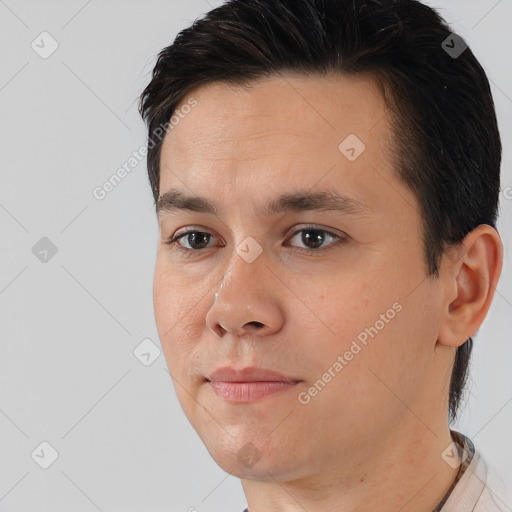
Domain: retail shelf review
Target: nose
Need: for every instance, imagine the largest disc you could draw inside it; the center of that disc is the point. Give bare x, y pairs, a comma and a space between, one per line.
248, 301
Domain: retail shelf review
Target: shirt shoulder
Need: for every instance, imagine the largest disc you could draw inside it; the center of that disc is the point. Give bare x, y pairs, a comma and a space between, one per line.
490, 501
476, 491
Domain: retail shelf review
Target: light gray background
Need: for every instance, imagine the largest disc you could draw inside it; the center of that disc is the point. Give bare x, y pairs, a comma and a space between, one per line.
69, 325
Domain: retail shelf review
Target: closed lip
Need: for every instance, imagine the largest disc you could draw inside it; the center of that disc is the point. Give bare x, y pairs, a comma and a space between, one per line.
250, 374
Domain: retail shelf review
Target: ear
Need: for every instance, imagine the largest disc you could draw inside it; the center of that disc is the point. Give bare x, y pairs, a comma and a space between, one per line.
470, 282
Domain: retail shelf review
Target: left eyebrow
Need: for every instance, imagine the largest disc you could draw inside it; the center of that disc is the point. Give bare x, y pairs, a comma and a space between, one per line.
285, 203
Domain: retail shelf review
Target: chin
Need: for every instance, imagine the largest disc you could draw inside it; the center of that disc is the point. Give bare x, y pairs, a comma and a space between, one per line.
262, 470
261, 460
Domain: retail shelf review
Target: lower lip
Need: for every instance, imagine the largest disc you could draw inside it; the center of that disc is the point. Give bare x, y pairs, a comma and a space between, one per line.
248, 391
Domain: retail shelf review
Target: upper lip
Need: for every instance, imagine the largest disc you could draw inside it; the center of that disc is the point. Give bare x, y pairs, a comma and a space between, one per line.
250, 374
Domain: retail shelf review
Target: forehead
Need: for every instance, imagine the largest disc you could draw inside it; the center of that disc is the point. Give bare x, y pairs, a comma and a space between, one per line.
280, 132
313, 106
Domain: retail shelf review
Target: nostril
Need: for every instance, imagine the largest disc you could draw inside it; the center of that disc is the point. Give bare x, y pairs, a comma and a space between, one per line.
256, 324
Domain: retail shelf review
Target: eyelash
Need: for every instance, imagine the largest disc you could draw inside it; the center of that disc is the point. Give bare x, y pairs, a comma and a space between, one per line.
173, 241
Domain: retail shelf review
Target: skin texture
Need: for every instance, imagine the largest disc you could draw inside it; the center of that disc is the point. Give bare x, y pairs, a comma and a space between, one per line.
372, 437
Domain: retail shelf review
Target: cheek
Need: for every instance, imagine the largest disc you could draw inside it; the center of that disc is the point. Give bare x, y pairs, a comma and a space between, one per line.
343, 305
166, 303
178, 307
363, 316
397, 355
179, 324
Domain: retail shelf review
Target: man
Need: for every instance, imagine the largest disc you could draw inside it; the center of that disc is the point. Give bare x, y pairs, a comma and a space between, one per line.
326, 188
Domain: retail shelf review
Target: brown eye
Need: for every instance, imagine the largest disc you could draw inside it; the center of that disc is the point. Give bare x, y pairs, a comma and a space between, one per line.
196, 239
313, 237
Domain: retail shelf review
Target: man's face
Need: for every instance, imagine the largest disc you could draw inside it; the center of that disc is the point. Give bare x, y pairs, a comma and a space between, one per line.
336, 300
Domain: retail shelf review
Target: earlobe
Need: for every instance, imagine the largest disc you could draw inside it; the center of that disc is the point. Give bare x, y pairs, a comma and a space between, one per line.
472, 278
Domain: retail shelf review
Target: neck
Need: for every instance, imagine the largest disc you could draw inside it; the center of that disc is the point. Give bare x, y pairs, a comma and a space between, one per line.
404, 471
